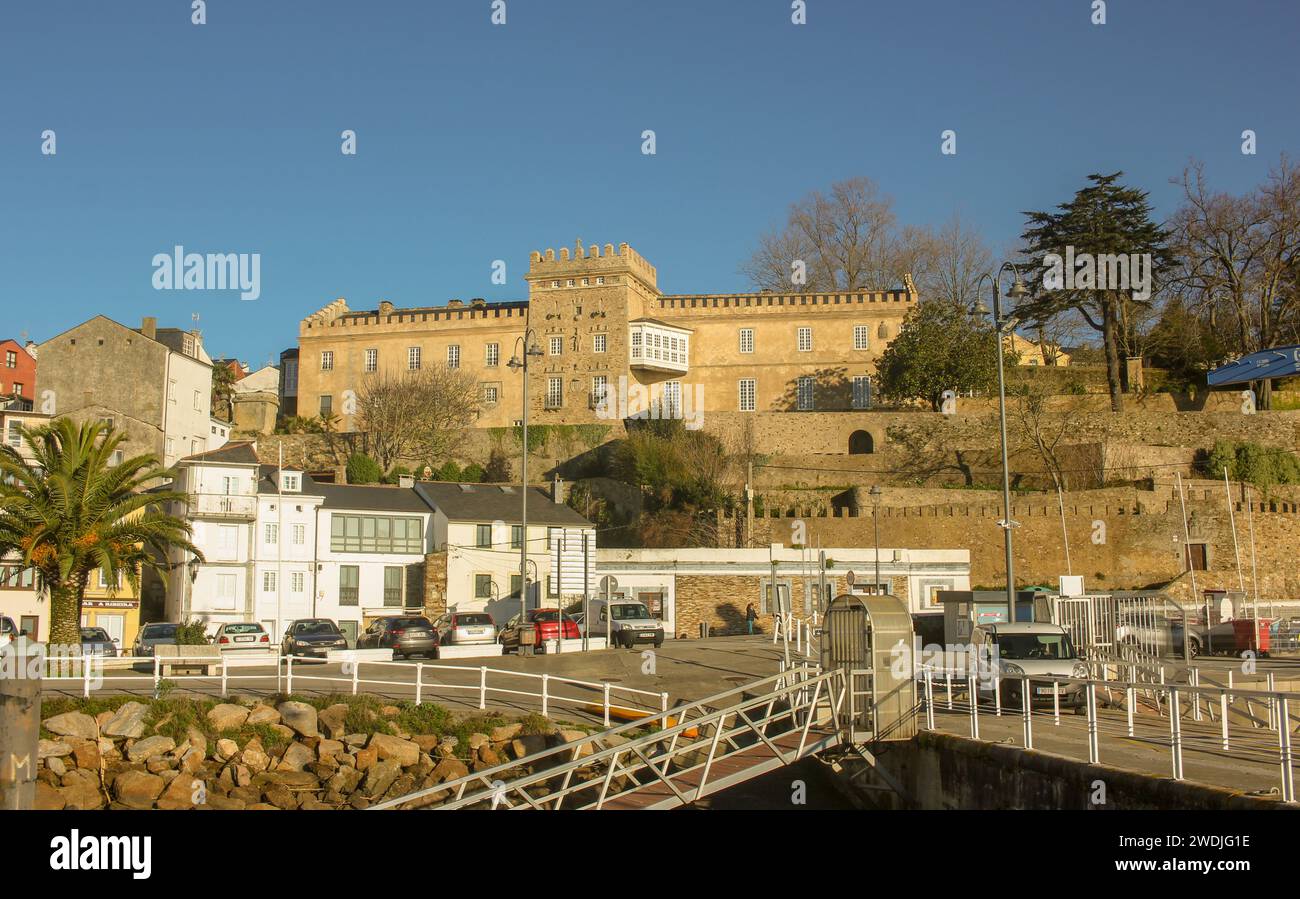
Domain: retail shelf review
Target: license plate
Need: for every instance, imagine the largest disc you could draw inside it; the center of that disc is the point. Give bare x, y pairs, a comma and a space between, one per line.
1043, 691
648, 634
244, 639
476, 631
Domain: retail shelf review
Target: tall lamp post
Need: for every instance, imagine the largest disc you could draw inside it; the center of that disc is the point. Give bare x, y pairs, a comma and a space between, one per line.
874, 493
518, 362
1002, 327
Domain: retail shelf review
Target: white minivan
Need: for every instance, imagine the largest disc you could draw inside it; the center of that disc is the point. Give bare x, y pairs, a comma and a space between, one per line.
628, 623
1029, 649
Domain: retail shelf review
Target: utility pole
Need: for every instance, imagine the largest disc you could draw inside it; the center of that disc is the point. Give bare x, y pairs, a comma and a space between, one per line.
20, 724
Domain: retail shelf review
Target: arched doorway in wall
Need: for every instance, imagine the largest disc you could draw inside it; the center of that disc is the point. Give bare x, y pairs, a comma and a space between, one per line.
861, 443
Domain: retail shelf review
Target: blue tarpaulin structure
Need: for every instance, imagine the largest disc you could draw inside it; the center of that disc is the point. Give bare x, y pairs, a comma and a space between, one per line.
1278, 362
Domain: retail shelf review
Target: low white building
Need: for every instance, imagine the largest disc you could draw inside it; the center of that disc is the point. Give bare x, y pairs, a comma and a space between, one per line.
687, 588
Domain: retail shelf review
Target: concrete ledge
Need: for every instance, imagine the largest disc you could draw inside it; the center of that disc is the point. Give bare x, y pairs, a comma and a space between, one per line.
249, 659
471, 651
571, 645
358, 655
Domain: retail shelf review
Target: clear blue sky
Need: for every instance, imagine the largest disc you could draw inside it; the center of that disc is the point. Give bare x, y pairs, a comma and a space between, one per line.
479, 142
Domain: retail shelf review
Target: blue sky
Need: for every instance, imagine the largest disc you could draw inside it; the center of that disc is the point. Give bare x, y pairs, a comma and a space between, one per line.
479, 142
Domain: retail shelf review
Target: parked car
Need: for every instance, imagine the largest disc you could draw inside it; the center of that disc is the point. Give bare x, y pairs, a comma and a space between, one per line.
627, 623
406, 635
465, 629
8, 630
154, 634
96, 641
1031, 648
1284, 635
545, 621
312, 637
241, 636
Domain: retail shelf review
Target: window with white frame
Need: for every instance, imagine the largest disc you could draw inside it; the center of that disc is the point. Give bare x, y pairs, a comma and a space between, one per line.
557, 346
413, 358
747, 340
490, 394
493, 355
327, 360
171, 391
554, 393
372, 360
805, 393
805, 340
672, 399
453, 356
599, 386
861, 392
272, 534
299, 534
600, 342
748, 401
268, 582
861, 337
227, 584
296, 581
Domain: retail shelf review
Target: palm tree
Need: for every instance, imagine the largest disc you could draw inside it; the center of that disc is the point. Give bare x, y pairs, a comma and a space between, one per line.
68, 511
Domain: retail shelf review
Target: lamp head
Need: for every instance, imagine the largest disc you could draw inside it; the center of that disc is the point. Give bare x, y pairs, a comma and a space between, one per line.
1018, 290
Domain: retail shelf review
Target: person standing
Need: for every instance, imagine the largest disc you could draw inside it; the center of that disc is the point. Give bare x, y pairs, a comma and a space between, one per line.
751, 614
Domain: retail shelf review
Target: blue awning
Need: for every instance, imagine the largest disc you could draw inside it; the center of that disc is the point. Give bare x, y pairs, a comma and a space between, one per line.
1278, 362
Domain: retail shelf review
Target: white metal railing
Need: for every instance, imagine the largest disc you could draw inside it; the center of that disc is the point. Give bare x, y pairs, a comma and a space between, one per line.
770, 722
223, 504
93, 673
1199, 717
799, 632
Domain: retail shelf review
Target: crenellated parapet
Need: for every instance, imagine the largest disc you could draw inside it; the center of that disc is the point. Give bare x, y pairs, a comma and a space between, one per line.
588, 260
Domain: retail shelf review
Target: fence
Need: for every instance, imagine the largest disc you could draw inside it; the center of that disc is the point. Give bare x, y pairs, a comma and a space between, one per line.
1262, 740
91, 671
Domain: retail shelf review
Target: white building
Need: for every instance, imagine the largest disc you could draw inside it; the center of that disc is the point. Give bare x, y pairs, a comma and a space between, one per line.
478, 527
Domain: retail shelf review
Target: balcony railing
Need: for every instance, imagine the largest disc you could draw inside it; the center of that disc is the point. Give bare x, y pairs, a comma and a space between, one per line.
222, 505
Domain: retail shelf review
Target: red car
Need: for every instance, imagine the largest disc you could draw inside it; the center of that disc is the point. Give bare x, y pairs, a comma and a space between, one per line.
544, 620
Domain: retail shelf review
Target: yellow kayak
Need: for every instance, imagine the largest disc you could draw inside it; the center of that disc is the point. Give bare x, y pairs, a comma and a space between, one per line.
621, 714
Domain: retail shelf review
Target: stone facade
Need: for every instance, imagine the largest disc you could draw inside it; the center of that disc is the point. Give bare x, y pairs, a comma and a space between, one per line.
588, 310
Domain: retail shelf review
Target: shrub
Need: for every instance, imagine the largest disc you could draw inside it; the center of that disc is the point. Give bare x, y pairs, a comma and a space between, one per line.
472, 473
449, 471
362, 469
192, 633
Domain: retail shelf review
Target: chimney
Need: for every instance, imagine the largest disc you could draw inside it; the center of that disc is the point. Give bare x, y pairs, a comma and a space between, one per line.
557, 489
31, 348
406, 481
149, 327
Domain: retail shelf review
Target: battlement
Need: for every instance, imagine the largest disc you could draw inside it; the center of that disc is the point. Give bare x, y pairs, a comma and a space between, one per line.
338, 315
591, 259
792, 301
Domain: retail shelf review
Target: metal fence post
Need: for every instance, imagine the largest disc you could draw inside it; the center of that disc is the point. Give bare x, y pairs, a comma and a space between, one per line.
1284, 744
356, 675
419, 676
1175, 733
1056, 703
1223, 715
974, 707
997, 693
947, 680
482, 687
288, 676
1195, 679
546, 682
224, 674
157, 675
607, 705
1273, 721
929, 699
1090, 701
85, 676
663, 705
1026, 711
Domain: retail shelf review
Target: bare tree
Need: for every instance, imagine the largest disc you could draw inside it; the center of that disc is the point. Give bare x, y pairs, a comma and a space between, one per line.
1240, 256
416, 415
844, 238
946, 264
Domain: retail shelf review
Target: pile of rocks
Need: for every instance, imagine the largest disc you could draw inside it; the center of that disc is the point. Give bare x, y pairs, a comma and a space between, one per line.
112, 761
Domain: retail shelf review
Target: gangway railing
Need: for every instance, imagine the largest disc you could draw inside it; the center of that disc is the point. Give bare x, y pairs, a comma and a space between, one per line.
691, 751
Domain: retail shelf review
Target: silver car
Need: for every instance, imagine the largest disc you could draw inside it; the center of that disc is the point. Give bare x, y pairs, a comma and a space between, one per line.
151, 635
465, 629
1026, 649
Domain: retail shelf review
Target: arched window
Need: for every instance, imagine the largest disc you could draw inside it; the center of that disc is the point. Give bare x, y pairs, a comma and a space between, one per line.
860, 443
882, 331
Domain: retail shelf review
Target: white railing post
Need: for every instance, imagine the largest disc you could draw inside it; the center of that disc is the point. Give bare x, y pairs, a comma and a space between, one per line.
224, 675
1223, 715
482, 687
419, 676
85, 676
1090, 702
1175, 733
997, 693
157, 672
1273, 722
1284, 745
279, 672
288, 675
1195, 679
607, 705
1130, 703
1027, 711
1056, 702
663, 706
929, 699
356, 675
974, 707
546, 681
947, 680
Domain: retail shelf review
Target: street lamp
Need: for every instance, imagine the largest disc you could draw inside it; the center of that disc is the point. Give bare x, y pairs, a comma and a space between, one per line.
874, 493
519, 362
1001, 327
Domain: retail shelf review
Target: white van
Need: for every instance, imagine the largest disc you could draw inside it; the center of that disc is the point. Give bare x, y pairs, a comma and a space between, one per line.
629, 624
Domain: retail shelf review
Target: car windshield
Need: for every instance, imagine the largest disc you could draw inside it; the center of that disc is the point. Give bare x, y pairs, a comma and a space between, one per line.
317, 628
411, 622
1035, 646
473, 620
95, 635
630, 611
156, 631
242, 629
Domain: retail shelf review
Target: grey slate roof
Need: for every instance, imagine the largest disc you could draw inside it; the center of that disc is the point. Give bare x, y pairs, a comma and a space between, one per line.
488, 502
